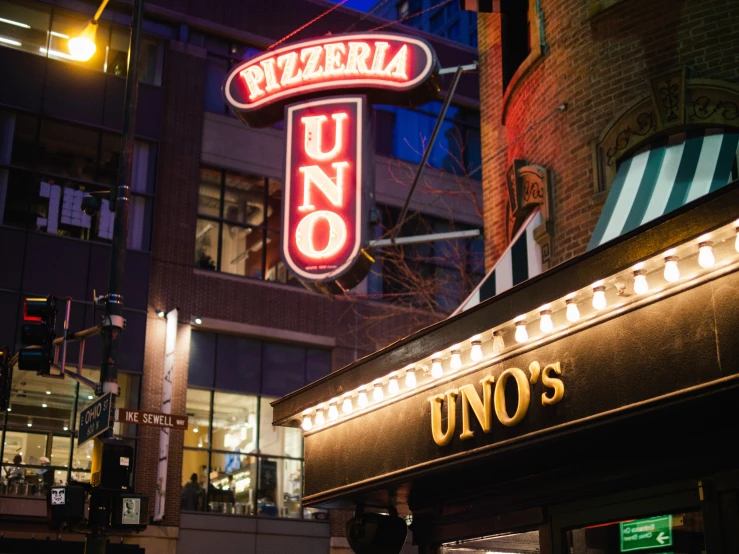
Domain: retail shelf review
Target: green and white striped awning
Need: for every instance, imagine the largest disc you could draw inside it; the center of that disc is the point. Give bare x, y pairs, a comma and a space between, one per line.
665, 177
520, 261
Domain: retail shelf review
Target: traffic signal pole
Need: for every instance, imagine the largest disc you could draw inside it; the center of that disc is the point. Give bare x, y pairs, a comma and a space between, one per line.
114, 323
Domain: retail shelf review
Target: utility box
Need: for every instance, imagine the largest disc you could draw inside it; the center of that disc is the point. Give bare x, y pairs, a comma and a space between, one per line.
112, 464
66, 504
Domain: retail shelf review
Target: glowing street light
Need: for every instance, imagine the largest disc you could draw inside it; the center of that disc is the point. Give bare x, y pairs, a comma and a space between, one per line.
82, 47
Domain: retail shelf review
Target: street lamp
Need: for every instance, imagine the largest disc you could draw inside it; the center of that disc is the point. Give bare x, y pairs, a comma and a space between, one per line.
82, 47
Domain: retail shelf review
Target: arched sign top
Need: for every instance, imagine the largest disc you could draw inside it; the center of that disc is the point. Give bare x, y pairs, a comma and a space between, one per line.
389, 68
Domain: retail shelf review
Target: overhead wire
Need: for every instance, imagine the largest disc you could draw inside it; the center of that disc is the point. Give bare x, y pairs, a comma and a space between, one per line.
311, 22
366, 15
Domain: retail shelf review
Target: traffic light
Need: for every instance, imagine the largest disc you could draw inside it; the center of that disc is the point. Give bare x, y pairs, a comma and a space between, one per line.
5, 378
37, 335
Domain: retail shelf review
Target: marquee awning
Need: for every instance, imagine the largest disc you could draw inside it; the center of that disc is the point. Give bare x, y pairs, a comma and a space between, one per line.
663, 177
520, 261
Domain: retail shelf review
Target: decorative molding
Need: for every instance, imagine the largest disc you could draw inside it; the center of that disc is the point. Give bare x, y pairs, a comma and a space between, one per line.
674, 104
668, 97
528, 188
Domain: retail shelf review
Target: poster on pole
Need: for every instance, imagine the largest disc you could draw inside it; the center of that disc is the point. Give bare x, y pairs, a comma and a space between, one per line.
170, 341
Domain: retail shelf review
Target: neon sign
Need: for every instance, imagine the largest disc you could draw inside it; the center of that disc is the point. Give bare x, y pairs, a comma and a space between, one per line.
384, 66
323, 219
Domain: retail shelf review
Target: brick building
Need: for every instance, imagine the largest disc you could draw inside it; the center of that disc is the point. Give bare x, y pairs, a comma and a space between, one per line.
577, 88
204, 236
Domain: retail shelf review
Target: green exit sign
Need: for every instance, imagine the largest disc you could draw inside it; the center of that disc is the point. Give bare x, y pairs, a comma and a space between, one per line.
640, 534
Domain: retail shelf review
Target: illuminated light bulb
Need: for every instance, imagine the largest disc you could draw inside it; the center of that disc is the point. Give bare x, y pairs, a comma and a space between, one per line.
498, 343
333, 411
195, 430
410, 377
83, 47
48, 392
43, 405
640, 282
522, 335
362, 399
436, 369
377, 395
456, 361
320, 418
672, 272
307, 424
545, 323
66, 428
599, 298
346, 406
706, 258
573, 312
392, 385
476, 350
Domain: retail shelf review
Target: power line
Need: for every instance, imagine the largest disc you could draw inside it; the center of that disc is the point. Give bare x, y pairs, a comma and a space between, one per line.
311, 22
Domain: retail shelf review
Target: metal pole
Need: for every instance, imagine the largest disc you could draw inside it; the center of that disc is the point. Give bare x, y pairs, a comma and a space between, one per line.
427, 152
114, 322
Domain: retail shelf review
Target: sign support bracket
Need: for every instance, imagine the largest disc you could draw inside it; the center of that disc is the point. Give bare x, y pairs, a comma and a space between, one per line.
427, 151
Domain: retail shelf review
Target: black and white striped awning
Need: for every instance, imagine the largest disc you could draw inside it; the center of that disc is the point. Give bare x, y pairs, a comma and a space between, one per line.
664, 177
520, 261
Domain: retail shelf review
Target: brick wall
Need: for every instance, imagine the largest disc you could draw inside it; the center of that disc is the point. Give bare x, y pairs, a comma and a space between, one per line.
598, 66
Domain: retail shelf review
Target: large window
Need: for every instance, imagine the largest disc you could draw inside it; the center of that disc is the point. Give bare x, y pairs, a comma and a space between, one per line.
47, 166
516, 37
44, 31
40, 438
238, 229
236, 461
403, 133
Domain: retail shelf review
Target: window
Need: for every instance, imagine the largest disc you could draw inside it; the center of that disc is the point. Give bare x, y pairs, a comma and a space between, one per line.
47, 166
402, 9
436, 22
31, 28
515, 38
40, 435
233, 464
238, 227
234, 459
454, 32
222, 56
403, 133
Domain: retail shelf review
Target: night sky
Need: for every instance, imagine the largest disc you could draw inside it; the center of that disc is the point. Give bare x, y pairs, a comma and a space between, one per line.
361, 5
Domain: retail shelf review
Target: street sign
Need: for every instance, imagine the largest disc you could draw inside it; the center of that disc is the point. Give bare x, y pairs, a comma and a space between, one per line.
94, 419
155, 419
640, 534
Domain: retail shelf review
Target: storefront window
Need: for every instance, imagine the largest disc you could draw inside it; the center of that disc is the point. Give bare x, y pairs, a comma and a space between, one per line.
48, 166
234, 422
249, 467
40, 435
31, 28
238, 228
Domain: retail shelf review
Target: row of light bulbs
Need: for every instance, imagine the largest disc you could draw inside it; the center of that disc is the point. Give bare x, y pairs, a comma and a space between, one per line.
330, 412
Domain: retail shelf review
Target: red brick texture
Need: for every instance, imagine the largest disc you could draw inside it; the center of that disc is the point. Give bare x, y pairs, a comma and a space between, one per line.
598, 66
